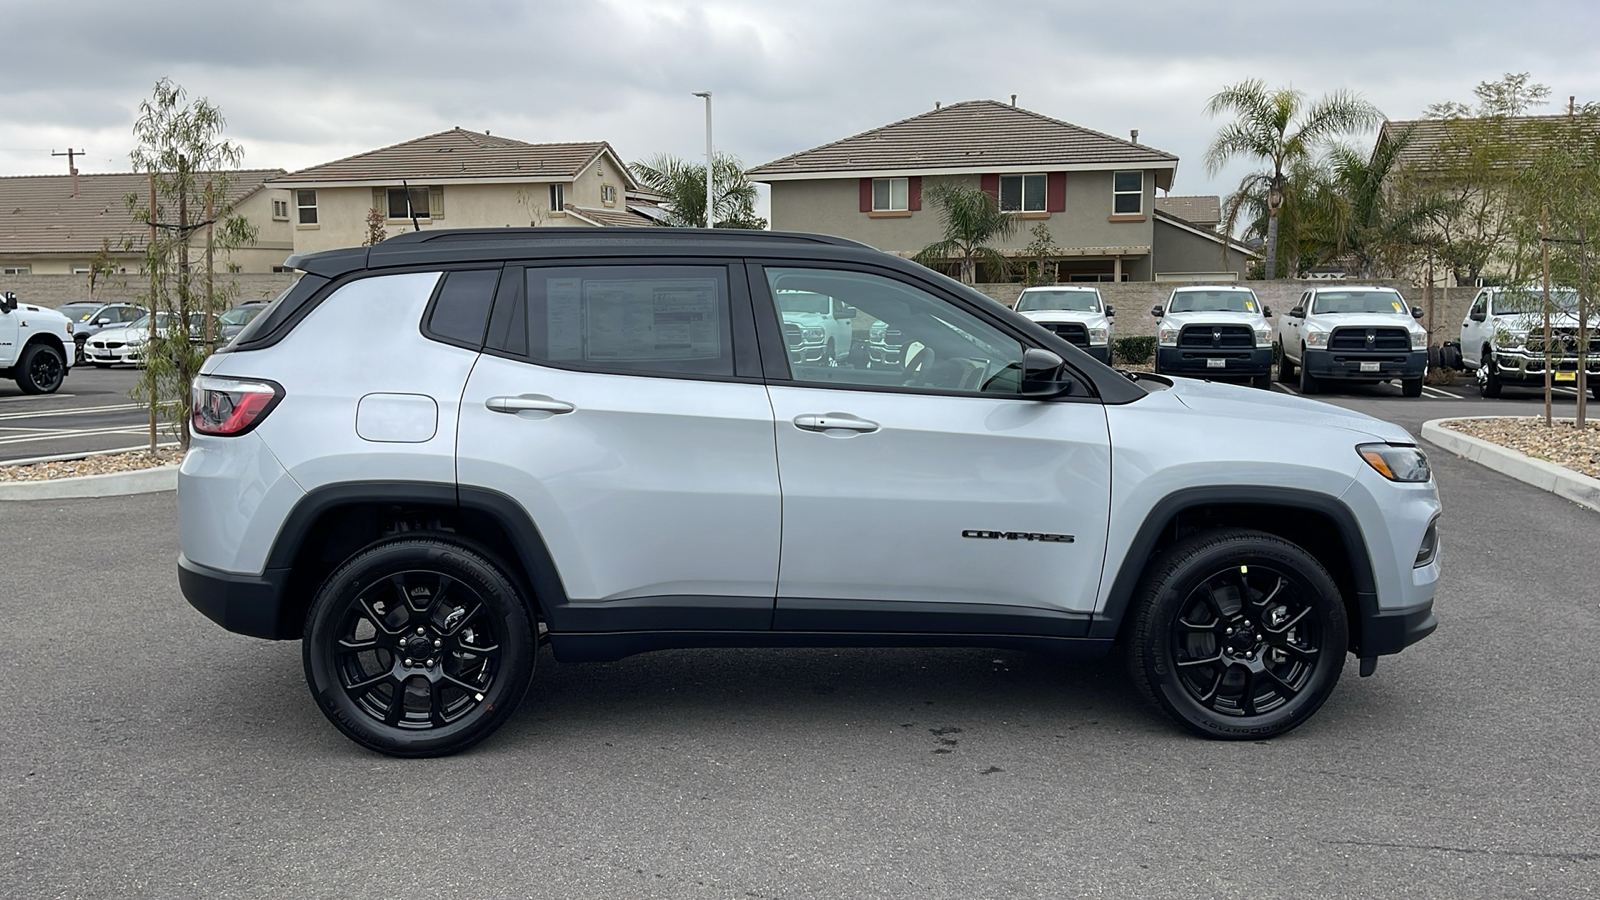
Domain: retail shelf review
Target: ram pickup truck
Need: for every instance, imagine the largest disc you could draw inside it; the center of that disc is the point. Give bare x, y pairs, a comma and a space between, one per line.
36, 345
1078, 314
1355, 334
1215, 331
1502, 341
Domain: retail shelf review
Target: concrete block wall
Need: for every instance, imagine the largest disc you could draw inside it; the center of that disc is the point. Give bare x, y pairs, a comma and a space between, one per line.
55, 290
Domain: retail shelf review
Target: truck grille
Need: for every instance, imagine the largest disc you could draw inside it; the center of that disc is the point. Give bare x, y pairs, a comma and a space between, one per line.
1219, 336
791, 335
1564, 342
1071, 332
1389, 339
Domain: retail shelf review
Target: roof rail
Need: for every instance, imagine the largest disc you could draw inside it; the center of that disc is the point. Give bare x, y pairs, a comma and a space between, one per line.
628, 233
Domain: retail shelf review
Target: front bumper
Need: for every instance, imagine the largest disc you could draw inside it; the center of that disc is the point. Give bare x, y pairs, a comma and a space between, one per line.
1358, 365
123, 354
244, 604
807, 352
1388, 631
1513, 366
1197, 361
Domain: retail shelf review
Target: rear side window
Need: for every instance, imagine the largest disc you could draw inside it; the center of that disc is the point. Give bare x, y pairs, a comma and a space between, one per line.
654, 320
460, 310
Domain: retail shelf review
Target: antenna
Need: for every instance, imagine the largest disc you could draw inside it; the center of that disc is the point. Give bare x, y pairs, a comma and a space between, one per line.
410, 211
72, 156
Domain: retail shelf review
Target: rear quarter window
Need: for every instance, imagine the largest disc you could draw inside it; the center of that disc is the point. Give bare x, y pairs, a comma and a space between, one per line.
460, 309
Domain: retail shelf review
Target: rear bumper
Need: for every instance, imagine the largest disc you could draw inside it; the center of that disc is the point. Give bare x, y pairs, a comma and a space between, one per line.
1348, 364
1197, 361
244, 604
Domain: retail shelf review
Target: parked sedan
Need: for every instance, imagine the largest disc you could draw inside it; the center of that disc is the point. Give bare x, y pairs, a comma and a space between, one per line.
88, 318
125, 344
234, 320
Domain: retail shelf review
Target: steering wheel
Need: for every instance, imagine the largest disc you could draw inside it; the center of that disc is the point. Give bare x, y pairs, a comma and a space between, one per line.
917, 367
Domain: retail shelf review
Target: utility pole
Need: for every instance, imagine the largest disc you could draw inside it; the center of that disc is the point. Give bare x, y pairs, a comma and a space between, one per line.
72, 169
710, 191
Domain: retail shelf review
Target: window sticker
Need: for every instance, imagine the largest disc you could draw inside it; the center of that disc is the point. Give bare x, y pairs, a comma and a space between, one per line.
654, 319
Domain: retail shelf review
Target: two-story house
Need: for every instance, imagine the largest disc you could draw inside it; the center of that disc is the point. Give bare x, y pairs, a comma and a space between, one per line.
1095, 193
458, 179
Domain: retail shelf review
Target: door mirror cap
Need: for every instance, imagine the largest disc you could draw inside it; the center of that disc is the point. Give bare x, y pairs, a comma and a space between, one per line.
103, 320
8, 302
1266, 311
1044, 374
1110, 311
1299, 312
1478, 315
1416, 312
845, 311
1155, 311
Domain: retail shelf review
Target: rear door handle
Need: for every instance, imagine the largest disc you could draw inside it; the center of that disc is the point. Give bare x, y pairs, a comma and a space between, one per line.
831, 421
528, 403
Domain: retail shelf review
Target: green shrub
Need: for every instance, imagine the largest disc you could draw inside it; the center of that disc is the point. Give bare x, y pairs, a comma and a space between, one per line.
1133, 351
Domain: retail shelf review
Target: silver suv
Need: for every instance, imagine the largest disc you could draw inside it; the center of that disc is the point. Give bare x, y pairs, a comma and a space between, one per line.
599, 440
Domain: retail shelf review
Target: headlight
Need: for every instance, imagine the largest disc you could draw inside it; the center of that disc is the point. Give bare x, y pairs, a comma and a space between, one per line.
877, 329
1505, 339
1405, 464
1264, 337
811, 334
1097, 335
1419, 340
1169, 337
1317, 338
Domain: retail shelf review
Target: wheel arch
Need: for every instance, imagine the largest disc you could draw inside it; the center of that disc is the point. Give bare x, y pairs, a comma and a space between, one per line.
1321, 524
332, 523
45, 337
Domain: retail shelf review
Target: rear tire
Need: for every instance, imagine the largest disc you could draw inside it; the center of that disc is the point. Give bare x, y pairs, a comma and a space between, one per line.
418, 646
1237, 634
40, 369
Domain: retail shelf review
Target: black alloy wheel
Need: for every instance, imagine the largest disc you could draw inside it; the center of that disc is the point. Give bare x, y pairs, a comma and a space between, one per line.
418, 646
40, 370
1240, 635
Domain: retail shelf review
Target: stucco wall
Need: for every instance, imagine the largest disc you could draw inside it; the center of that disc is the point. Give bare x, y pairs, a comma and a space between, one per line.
1178, 251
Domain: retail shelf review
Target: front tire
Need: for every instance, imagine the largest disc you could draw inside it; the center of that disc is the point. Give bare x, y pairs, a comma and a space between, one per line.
1411, 387
40, 369
1488, 376
418, 646
1262, 381
1308, 382
1285, 367
1237, 634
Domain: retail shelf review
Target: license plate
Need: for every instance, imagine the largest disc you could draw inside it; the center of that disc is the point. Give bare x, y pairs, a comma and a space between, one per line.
1565, 376
1216, 363
1369, 367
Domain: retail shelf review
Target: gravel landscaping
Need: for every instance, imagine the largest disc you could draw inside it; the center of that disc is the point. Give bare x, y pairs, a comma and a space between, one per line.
102, 464
1561, 443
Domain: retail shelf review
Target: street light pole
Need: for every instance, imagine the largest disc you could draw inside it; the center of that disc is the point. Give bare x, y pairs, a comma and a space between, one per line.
710, 196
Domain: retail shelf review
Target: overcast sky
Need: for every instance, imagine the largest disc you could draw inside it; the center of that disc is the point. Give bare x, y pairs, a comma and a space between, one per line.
306, 82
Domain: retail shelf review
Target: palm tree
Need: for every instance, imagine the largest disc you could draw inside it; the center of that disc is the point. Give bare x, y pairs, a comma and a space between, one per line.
1276, 127
683, 186
971, 219
1370, 220
1302, 210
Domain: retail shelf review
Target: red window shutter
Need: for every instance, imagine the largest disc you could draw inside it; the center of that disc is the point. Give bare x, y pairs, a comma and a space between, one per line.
991, 185
866, 195
914, 192
1055, 192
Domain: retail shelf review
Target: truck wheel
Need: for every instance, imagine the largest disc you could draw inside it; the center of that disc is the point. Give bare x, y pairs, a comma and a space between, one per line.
1285, 367
830, 354
418, 646
1262, 381
79, 357
1411, 387
1308, 381
1237, 634
40, 369
1488, 376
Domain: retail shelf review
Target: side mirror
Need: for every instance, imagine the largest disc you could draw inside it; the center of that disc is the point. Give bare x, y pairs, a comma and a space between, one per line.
1266, 311
1155, 311
845, 312
8, 302
1110, 311
1416, 312
1477, 315
1299, 312
1044, 374
103, 320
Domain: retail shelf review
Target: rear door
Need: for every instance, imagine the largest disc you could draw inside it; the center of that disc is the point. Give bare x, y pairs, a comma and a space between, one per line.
621, 406
928, 494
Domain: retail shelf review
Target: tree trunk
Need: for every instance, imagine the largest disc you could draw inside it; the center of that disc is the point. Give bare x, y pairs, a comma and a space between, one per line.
1271, 271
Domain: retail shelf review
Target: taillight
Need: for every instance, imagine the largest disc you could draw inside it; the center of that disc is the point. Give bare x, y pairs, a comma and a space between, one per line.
230, 406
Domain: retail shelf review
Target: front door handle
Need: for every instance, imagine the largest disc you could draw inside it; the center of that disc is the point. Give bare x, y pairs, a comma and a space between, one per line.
832, 421
528, 403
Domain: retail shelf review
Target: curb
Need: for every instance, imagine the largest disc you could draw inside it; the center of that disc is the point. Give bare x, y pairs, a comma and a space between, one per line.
114, 484
1547, 476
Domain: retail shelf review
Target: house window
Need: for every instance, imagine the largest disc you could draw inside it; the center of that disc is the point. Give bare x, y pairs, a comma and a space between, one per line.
280, 210
1127, 193
1022, 193
608, 193
307, 202
399, 209
16, 270
81, 270
558, 197
889, 194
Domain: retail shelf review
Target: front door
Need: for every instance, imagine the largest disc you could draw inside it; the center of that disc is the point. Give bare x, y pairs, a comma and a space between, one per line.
609, 406
924, 490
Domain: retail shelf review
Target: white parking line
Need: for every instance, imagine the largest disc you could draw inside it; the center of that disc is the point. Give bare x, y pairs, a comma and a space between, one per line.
1438, 394
35, 397
1286, 389
71, 411
74, 433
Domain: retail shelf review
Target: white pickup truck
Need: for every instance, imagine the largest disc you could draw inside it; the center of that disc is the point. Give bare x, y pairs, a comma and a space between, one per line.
1215, 331
1353, 333
33, 345
1502, 341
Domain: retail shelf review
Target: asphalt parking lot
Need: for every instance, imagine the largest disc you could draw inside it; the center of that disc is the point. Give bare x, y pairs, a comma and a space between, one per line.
93, 411
152, 754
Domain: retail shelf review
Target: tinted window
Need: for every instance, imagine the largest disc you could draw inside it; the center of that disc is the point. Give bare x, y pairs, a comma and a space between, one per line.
461, 311
663, 320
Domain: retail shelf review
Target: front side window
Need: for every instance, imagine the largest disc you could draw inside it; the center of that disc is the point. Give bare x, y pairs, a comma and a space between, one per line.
887, 334
418, 203
652, 320
1022, 193
889, 194
306, 201
1127, 193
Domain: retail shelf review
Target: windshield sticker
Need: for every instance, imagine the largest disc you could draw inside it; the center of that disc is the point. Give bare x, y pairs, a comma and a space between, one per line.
1249, 307
1397, 307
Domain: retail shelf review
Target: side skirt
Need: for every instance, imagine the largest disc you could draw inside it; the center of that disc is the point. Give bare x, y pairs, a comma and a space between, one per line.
608, 646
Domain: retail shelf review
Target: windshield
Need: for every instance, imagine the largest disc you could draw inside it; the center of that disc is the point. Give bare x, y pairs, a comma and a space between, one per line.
1069, 300
803, 302
1515, 302
1328, 302
144, 321
1221, 300
78, 312
239, 315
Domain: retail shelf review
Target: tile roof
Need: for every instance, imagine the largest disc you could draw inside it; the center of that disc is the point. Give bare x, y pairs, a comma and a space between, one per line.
976, 135
1203, 211
1428, 136
38, 213
458, 155
610, 217
1209, 234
